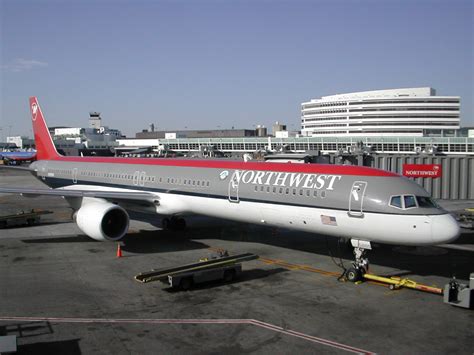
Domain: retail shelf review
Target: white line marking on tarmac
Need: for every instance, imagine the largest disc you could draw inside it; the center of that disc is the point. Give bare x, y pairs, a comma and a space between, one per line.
254, 322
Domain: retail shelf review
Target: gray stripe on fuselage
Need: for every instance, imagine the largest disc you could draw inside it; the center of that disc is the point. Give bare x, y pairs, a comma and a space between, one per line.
378, 192
60, 182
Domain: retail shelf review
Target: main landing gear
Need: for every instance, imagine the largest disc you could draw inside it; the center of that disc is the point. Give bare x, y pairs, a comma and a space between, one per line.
361, 264
174, 223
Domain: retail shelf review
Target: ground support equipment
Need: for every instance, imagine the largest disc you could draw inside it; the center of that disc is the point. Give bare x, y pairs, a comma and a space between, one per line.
465, 218
30, 218
460, 295
225, 267
396, 283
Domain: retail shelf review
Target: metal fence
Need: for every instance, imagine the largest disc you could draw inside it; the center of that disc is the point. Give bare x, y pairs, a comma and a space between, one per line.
455, 183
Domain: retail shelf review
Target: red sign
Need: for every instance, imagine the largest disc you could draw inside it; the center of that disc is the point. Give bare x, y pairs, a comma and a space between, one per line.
422, 170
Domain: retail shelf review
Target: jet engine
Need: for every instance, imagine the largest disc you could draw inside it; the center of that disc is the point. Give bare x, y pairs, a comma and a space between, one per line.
102, 220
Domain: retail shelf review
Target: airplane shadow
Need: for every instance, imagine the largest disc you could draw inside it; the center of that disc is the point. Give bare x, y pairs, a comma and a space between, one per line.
61, 239
424, 261
158, 241
143, 242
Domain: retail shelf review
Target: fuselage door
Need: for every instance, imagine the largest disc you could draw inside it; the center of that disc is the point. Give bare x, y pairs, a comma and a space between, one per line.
136, 176
142, 178
74, 175
356, 199
234, 188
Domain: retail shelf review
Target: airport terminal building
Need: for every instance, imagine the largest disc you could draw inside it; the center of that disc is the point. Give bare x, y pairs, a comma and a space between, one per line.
414, 112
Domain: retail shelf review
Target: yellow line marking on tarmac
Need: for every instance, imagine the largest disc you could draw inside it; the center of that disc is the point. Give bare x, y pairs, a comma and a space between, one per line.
308, 268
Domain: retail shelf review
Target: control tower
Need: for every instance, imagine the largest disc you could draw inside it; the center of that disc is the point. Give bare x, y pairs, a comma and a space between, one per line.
95, 120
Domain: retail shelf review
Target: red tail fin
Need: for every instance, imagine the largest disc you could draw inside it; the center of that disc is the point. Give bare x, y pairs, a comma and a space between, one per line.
44, 144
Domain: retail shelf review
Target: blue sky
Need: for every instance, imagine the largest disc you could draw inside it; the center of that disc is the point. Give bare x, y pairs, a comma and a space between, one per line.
208, 64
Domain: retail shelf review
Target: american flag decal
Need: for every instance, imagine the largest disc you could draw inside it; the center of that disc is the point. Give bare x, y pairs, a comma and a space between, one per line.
328, 220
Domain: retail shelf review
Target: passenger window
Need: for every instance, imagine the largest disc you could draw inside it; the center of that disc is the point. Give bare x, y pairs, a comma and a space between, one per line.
396, 201
409, 201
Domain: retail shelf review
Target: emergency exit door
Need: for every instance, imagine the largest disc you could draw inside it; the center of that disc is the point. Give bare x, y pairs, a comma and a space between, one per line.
356, 199
234, 188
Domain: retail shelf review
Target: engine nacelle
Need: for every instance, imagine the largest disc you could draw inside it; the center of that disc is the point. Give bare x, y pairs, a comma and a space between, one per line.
102, 220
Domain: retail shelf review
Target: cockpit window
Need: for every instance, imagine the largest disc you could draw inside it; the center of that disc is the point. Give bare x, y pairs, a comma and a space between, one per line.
409, 201
396, 201
425, 202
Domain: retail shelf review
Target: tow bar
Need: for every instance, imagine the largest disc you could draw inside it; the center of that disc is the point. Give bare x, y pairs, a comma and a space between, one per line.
397, 283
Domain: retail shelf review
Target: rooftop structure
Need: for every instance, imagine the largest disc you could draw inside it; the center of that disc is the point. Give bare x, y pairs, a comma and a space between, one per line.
216, 133
397, 112
391, 145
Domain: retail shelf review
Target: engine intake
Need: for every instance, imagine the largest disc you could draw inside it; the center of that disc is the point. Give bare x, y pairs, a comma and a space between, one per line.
102, 220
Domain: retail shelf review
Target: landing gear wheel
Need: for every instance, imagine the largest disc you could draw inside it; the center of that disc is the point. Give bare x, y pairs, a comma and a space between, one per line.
178, 223
353, 274
165, 223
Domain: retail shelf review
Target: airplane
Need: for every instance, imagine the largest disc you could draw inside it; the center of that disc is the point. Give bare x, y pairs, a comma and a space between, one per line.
358, 203
14, 158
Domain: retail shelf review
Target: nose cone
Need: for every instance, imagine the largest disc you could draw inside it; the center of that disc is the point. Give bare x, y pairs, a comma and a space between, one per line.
444, 229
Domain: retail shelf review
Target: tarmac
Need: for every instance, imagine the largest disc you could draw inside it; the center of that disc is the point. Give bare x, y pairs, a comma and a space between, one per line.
62, 292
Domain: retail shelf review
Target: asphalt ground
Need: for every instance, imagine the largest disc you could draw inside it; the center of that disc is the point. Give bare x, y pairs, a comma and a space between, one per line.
61, 292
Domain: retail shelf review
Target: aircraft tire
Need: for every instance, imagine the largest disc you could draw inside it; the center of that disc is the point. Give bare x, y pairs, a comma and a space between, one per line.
165, 223
177, 224
353, 274
180, 224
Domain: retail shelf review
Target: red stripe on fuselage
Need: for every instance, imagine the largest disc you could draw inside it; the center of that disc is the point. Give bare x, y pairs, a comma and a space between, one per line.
235, 165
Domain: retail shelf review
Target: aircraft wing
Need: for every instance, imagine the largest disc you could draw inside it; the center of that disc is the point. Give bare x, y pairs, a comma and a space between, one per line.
109, 195
15, 167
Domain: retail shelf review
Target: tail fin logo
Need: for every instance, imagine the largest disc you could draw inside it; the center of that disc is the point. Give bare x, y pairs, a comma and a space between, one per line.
34, 110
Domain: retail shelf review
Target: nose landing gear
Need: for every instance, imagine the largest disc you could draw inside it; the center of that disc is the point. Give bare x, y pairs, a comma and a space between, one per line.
361, 264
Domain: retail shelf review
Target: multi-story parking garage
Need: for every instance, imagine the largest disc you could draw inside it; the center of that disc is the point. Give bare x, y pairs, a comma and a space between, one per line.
397, 112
